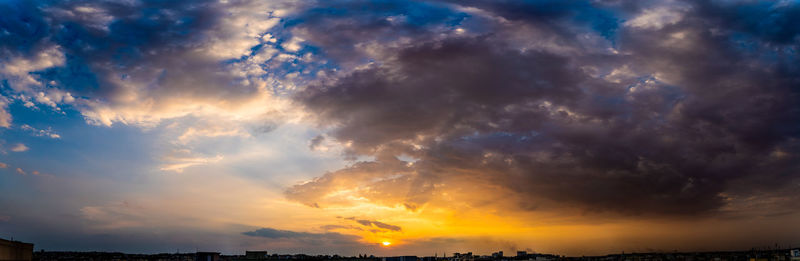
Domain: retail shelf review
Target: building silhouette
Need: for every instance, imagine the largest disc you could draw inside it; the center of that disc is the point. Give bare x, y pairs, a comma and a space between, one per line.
400, 258
256, 255
207, 256
15, 250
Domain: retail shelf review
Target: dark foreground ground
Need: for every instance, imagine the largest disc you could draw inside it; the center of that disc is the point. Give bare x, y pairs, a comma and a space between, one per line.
752, 255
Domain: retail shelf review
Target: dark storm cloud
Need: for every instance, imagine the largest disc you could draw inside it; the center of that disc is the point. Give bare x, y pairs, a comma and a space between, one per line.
770, 21
551, 12
134, 62
149, 44
440, 102
689, 105
345, 31
22, 26
130, 32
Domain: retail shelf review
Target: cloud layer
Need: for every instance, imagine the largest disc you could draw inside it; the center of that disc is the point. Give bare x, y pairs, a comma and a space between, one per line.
681, 111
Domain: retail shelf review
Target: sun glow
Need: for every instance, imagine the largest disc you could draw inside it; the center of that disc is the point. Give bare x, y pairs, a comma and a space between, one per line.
386, 243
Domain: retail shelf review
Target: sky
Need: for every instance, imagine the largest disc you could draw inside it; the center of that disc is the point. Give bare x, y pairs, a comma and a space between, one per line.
331, 127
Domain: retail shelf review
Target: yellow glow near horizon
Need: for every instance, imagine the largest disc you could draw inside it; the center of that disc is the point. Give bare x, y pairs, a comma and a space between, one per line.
386, 243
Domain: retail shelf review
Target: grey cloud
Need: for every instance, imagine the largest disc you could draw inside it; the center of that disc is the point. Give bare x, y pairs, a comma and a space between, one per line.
378, 224
274, 233
332, 227
371, 223
670, 124
317, 238
315, 142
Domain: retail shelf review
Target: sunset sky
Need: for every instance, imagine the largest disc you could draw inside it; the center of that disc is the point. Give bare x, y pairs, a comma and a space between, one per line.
330, 127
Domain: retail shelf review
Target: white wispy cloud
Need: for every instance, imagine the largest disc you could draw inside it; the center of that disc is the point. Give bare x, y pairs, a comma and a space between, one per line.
41, 132
657, 18
178, 160
19, 147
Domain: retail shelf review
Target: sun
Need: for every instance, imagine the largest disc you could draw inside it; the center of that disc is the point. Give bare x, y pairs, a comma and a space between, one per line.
386, 243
